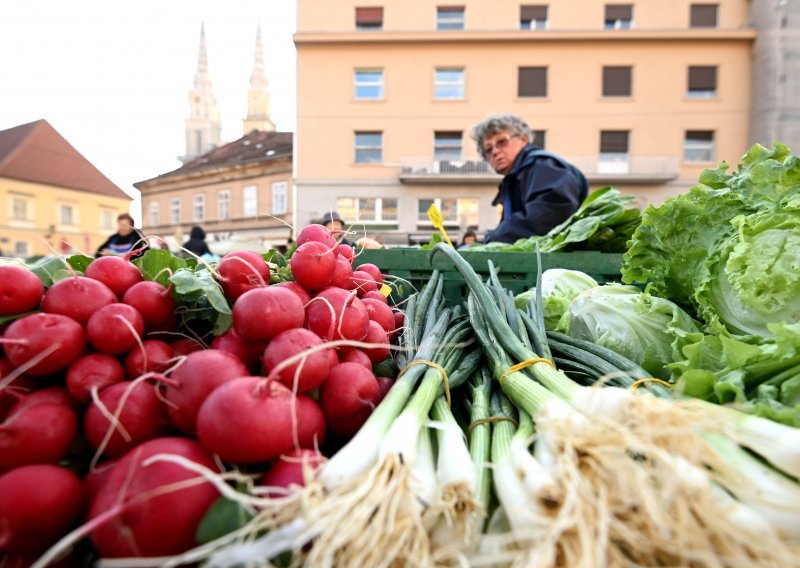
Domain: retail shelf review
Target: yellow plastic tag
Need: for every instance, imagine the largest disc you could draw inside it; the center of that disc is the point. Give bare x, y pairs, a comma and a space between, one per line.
386, 290
438, 222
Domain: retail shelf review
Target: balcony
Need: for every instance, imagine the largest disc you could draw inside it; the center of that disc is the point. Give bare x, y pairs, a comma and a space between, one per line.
446, 171
624, 169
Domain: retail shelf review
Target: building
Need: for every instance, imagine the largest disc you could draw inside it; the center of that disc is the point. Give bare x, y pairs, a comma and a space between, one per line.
204, 125
641, 95
258, 96
53, 199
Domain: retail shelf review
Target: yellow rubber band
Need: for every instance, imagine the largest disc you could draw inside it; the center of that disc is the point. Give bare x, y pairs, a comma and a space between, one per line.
434, 366
640, 382
520, 366
480, 421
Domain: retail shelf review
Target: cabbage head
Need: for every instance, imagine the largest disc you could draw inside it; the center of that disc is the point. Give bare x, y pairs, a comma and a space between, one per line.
559, 287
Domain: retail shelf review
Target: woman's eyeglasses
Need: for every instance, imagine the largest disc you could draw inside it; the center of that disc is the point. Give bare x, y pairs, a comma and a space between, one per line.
500, 144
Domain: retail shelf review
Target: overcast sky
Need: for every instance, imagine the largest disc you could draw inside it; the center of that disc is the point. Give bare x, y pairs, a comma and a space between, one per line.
113, 76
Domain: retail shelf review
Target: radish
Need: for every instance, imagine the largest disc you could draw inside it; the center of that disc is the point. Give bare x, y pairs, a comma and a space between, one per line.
261, 314
313, 264
154, 302
38, 428
379, 312
249, 420
20, 290
343, 275
153, 355
115, 328
346, 251
309, 372
247, 352
94, 370
364, 282
77, 298
242, 271
94, 480
399, 320
39, 505
334, 357
376, 334
141, 414
290, 470
185, 346
376, 295
141, 518
347, 320
191, 382
316, 233
372, 270
116, 272
297, 289
359, 357
53, 339
21, 383
348, 396
385, 384
311, 429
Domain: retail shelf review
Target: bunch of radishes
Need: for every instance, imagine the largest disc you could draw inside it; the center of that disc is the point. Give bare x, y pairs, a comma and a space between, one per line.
90, 371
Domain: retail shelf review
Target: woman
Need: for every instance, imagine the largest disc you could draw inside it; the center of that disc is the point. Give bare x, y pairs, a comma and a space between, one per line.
124, 239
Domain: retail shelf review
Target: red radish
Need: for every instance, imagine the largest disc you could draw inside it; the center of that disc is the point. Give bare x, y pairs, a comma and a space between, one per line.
399, 320
115, 329
379, 312
247, 352
241, 271
141, 415
311, 428
29, 337
348, 396
376, 295
192, 381
93, 481
94, 370
372, 270
248, 420
346, 251
347, 319
313, 264
155, 303
291, 470
309, 372
38, 428
146, 520
343, 275
376, 334
77, 298
153, 355
385, 384
261, 314
185, 346
39, 505
364, 282
316, 233
20, 290
297, 289
359, 357
22, 383
116, 272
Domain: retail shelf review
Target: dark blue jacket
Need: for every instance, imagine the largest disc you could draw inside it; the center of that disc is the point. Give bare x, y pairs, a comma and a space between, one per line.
538, 193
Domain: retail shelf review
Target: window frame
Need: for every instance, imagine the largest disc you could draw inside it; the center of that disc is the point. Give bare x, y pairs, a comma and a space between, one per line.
367, 84
224, 204
422, 216
27, 252
699, 145
379, 209
610, 70
250, 201
460, 24
73, 215
360, 150
441, 83
442, 150
536, 69
540, 24
368, 24
618, 23
199, 204
700, 93
280, 189
107, 218
693, 16
175, 210
155, 213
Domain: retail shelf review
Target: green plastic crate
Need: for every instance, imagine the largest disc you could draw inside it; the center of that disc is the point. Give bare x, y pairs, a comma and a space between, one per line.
517, 270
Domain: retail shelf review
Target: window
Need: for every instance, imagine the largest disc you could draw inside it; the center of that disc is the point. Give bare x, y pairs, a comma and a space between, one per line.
449, 83
19, 208
450, 18
369, 148
154, 214
619, 17
367, 209
224, 205
613, 152
702, 81
175, 211
539, 138
279, 190
66, 215
369, 84
698, 146
532, 82
533, 17
703, 15
617, 81
199, 207
463, 212
368, 19
107, 218
21, 249
250, 201
447, 145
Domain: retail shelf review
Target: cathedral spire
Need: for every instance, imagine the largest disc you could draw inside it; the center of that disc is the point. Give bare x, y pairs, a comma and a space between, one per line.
203, 127
258, 97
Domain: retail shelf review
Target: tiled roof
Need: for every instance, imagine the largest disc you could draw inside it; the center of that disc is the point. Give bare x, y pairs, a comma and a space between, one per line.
255, 147
36, 152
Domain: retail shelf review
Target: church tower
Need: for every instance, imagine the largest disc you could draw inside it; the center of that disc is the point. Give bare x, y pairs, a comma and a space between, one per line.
203, 127
258, 98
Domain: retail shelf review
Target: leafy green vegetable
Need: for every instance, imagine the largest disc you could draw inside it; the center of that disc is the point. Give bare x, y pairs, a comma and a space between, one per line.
559, 288
201, 297
223, 517
80, 262
159, 265
47, 267
648, 330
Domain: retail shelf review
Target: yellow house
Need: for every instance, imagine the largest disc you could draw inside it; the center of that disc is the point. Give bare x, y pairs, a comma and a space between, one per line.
52, 199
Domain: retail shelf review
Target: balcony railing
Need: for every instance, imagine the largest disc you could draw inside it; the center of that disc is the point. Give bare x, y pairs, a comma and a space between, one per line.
445, 170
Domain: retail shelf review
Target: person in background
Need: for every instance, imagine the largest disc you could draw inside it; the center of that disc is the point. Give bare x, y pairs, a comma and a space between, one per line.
124, 239
335, 223
468, 238
539, 190
197, 242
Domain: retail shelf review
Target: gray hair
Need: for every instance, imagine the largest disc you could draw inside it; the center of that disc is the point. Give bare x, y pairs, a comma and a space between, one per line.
498, 124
